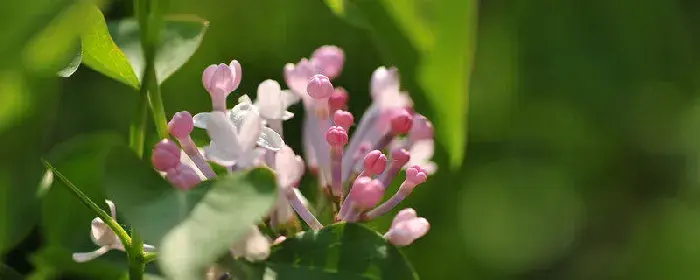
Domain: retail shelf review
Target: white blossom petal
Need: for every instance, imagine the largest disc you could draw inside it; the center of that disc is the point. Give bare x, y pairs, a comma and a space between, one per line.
269, 139
224, 136
201, 119
249, 131
88, 256
271, 103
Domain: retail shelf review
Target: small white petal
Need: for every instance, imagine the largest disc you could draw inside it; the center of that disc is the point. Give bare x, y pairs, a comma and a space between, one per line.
245, 99
257, 246
271, 102
225, 136
404, 215
149, 248
291, 97
112, 209
269, 139
88, 256
249, 131
201, 120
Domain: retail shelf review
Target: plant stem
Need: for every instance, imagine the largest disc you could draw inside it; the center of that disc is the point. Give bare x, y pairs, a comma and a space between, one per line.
137, 261
106, 218
137, 130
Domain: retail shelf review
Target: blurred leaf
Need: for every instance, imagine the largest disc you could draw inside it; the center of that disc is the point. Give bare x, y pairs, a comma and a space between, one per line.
20, 21
55, 47
23, 118
8, 273
102, 54
180, 38
72, 65
339, 251
348, 11
193, 228
54, 261
441, 33
66, 221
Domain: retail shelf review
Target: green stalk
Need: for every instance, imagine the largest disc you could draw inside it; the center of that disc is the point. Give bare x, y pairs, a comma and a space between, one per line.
106, 218
137, 261
137, 130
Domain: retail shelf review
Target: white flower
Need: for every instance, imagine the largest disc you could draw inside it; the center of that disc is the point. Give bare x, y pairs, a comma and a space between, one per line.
289, 168
254, 246
422, 154
272, 102
234, 134
103, 236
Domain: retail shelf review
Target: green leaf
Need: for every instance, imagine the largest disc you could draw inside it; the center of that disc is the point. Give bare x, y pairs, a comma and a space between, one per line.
72, 65
424, 39
8, 273
180, 38
54, 261
24, 113
339, 251
56, 46
20, 21
192, 228
66, 221
348, 11
102, 54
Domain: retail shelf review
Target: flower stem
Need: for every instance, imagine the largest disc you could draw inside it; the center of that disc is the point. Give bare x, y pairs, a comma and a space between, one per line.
137, 130
111, 223
137, 260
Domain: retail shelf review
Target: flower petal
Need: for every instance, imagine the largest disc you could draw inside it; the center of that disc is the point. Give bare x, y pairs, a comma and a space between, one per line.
271, 102
224, 135
248, 131
88, 256
269, 139
404, 215
201, 119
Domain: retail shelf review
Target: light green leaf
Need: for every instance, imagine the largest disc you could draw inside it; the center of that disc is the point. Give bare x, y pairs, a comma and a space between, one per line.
56, 46
72, 65
348, 11
102, 54
339, 251
180, 38
432, 44
192, 228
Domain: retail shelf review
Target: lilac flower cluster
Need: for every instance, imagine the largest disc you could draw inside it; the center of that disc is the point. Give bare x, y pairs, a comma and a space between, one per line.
353, 172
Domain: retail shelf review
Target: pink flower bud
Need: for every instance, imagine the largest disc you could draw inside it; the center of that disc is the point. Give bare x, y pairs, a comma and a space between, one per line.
279, 240
343, 118
374, 163
166, 155
237, 73
407, 228
329, 60
336, 136
399, 156
366, 193
422, 128
338, 100
416, 175
181, 125
319, 87
218, 79
183, 177
401, 122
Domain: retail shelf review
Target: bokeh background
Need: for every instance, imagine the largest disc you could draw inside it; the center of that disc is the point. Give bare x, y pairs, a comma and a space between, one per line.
583, 134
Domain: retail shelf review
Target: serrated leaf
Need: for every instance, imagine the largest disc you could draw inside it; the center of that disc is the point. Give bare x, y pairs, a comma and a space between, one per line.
192, 228
102, 54
339, 251
180, 38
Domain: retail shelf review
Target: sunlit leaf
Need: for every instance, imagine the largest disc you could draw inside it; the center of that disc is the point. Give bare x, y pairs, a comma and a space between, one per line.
432, 43
192, 228
339, 251
72, 65
180, 38
102, 54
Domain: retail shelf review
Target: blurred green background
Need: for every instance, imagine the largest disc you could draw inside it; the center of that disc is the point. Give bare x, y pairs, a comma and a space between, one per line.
583, 143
